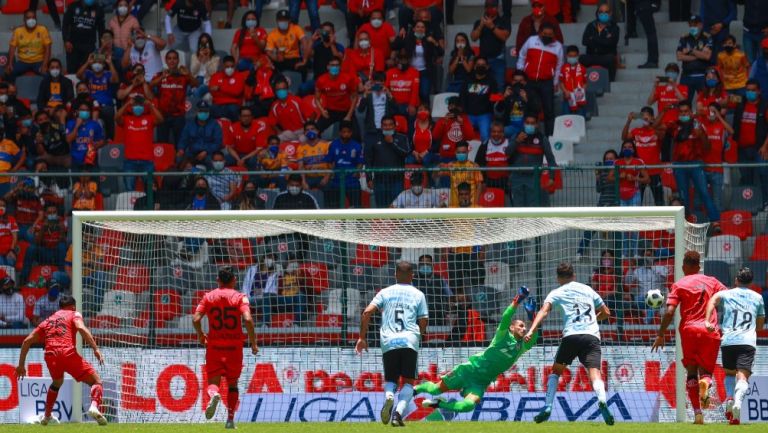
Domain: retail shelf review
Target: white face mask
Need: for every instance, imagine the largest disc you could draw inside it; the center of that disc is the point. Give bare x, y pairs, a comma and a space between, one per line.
31, 23
461, 45
229, 71
376, 23
294, 190
97, 67
55, 72
122, 10
218, 165
269, 262
417, 189
140, 43
365, 43
3, 98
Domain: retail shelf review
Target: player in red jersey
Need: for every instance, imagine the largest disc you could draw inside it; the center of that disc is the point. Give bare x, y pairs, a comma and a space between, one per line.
58, 332
692, 293
224, 308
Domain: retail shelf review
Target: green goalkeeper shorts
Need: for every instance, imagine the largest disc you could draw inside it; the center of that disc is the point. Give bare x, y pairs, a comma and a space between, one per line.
464, 378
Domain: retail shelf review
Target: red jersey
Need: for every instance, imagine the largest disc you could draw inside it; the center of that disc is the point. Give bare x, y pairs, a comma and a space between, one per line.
172, 95
716, 134
690, 149
359, 62
59, 331
496, 156
704, 101
665, 96
422, 138
249, 47
364, 7
288, 114
336, 93
227, 139
404, 86
309, 108
604, 284
380, 38
691, 294
263, 89
52, 238
139, 136
7, 228
255, 136
628, 188
449, 132
27, 209
231, 89
748, 131
648, 149
224, 309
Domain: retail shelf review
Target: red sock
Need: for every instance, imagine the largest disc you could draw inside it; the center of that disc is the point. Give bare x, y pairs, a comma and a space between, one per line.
50, 399
212, 390
96, 392
692, 385
232, 399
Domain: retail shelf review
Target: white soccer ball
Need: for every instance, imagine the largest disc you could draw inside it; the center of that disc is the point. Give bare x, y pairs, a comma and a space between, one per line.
654, 298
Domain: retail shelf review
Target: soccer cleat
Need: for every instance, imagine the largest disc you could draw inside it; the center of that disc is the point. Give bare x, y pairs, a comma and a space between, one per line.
698, 418
734, 422
96, 414
607, 417
230, 424
704, 393
386, 410
397, 419
45, 420
736, 411
729, 409
210, 411
543, 415
432, 403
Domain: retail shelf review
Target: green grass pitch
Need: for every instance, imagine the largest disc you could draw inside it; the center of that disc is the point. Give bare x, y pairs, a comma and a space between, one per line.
427, 427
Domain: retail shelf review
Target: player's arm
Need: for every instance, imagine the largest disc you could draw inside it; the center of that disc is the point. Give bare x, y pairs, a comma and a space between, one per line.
713, 302
666, 320
31, 339
423, 327
362, 342
89, 340
542, 314
245, 310
197, 323
603, 312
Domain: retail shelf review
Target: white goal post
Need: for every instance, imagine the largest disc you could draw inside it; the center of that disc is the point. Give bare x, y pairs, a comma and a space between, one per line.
396, 228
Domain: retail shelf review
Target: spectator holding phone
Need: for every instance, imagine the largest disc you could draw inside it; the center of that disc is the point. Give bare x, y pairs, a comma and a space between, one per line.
647, 140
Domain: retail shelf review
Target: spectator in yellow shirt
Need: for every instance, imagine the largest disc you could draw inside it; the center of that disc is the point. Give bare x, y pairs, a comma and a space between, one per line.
311, 156
460, 174
284, 44
30, 48
11, 159
734, 66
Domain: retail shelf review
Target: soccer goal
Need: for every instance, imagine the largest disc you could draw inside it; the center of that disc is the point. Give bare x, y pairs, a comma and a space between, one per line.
137, 277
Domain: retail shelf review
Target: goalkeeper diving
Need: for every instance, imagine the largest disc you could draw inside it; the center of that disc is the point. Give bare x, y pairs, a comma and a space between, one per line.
472, 378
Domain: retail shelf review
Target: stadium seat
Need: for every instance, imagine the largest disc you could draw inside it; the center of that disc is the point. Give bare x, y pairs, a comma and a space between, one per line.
668, 179
724, 247
760, 252
598, 81
497, 276
474, 146
507, 252
562, 149
165, 156
736, 222
440, 104
361, 278
110, 159
294, 81
475, 328
118, 303
747, 198
31, 295
268, 195
759, 271
284, 246
167, 304
282, 320
27, 86
42, 273
319, 197
492, 197
371, 255
23, 247
126, 200
132, 278
486, 301
239, 253
315, 276
325, 251
9, 271
407, 176
443, 196
718, 269
570, 127
329, 320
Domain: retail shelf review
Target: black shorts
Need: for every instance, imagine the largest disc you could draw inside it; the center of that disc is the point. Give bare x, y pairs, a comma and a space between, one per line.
400, 363
585, 347
739, 357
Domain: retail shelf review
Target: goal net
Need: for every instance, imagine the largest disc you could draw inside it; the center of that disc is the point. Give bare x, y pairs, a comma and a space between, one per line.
138, 277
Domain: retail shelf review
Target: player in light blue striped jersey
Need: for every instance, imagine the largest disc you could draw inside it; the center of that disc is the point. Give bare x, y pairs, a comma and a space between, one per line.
403, 325
743, 314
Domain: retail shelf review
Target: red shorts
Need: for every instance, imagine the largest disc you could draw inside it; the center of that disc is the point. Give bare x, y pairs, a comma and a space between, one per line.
71, 363
224, 362
700, 348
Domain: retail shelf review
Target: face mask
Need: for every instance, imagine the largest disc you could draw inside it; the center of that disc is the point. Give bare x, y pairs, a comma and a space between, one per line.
3, 98
251, 24
26, 123
529, 129
378, 87
425, 269
84, 114
626, 153
712, 117
388, 132
218, 165
422, 115
97, 67
537, 12
729, 48
607, 263
491, 12
573, 60
684, 119
376, 23
711, 83
364, 44
311, 135
481, 69
281, 93
53, 217
122, 10
334, 70
672, 75
609, 162
694, 31
138, 110
647, 261
269, 263
417, 189
31, 23
282, 25
203, 116
604, 17
461, 157
55, 72
751, 95
140, 43
418, 35
229, 71
461, 45
200, 191
546, 40
294, 190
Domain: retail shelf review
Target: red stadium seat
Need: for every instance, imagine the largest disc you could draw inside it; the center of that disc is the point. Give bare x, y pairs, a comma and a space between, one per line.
111, 243
736, 222
668, 179
132, 278
42, 271
440, 269
761, 248
492, 197
167, 304
328, 320
240, 253
401, 124
475, 328
165, 156
407, 176
315, 276
282, 320
104, 322
23, 247
371, 255
15, 7
31, 295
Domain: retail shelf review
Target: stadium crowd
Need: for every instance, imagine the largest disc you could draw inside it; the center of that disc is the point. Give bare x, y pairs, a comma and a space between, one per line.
301, 99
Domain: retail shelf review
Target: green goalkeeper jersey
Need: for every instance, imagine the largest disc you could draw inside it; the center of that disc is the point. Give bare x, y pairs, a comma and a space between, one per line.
503, 351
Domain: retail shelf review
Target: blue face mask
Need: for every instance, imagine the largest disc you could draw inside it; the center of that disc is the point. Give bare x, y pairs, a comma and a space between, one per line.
425, 269
203, 116
84, 114
461, 157
311, 135
529, 129
281, 93
694, 31
138, 110
626, 153
684, 119
751, 95
388, 132
609, 162
89, 2
604, 17
672, 75
26, 123
712, 83
334, 70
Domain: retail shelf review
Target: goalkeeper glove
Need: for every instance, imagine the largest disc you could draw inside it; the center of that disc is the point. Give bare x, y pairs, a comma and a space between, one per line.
530, 308
522, 293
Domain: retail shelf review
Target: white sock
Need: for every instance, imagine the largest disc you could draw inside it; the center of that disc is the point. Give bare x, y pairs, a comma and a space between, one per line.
741, 390
552, 382
389, 389
405, 396
599, 386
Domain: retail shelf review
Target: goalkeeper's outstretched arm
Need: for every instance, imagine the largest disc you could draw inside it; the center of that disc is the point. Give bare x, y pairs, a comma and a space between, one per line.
542, 314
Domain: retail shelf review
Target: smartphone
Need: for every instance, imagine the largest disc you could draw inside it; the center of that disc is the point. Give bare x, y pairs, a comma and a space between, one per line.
664, 79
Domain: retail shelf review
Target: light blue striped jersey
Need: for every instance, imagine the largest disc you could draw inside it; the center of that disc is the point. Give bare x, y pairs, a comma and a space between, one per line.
577, 302
741, 307
401, 306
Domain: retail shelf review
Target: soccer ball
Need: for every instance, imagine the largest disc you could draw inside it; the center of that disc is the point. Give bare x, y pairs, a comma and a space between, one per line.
654, 298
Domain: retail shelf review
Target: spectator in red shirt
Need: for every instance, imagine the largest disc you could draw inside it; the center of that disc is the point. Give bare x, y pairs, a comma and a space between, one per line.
359, 12
250, 138
135, 85
403, 82
531, 24
451, 129
50, 244
336, 96
138, 119
573, 83
713, 91
28, 207
405, 15
172, 85
647, 141
249, 42
286, 113
381, 32
227, 88
363, 60
718, 131
9, 236
751, 130
632, 174
320, 51
605, 279
422, 139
